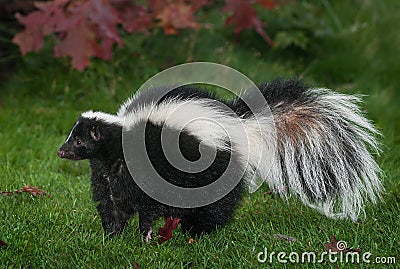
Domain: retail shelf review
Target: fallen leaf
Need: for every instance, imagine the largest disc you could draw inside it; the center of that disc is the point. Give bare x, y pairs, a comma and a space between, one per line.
165, 233
287, 238
6, 193
191, 240
136, 265
339, 246
34, 191
2, 244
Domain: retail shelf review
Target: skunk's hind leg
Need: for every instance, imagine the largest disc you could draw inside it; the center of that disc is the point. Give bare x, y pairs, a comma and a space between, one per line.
147, 215
206, 219
198, 224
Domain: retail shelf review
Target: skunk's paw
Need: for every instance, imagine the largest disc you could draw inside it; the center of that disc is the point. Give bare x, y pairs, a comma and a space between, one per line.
146, 237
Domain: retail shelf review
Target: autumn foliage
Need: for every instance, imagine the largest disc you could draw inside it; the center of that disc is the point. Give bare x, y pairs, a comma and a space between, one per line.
165, 233
91, 28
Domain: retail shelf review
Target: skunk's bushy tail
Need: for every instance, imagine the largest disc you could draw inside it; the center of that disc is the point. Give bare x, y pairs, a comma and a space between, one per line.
323, 150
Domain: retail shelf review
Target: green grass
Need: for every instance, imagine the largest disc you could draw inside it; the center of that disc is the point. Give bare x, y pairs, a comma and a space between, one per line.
352, 48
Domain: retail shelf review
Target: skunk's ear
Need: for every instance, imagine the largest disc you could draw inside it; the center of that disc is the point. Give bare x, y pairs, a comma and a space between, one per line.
95, 132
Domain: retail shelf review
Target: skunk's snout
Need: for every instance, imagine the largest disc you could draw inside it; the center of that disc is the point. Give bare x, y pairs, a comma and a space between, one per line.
61, 153
66, 152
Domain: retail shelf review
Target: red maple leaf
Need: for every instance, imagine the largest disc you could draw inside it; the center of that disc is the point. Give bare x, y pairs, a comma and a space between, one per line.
79, 43
38, 24
243, 17
105, 17
53, 12
85, 28
339, 246
89, 30
165, 233
173, 15
135, 18
31, 39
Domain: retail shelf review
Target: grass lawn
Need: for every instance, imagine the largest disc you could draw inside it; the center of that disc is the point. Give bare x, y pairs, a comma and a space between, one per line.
352, 48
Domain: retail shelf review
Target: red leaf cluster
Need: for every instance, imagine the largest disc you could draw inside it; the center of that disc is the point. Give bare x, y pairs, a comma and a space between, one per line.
35, 191
89, 28
165, 233
84, 29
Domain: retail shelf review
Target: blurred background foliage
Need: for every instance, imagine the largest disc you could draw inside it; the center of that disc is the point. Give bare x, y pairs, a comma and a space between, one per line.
349, 46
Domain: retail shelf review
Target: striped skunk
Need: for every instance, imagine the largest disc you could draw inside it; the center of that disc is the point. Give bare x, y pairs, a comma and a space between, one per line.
323, 145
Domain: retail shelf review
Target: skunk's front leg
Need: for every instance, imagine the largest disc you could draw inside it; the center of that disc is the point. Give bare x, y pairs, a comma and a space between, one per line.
146, 219
104, 181
112, 218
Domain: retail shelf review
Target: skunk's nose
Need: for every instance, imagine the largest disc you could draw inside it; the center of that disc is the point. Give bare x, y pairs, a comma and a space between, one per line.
61, 153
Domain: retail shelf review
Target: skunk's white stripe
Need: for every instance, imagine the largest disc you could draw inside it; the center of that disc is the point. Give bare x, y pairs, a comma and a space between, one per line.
72, 130
108, 118
251, 138
195, 116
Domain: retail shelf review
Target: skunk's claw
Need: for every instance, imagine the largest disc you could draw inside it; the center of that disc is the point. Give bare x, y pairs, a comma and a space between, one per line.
147, 236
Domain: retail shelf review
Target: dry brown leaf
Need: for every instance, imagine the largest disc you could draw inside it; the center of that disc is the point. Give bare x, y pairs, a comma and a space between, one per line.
136, 265
287, 238
34, 191
2, 244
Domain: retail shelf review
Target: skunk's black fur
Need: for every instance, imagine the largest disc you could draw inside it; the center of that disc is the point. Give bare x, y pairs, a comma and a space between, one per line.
299, 117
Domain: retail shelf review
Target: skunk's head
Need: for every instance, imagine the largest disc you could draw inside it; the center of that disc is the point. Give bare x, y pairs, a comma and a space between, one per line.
89, 134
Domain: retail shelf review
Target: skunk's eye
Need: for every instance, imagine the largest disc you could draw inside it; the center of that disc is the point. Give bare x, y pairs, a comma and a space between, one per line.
78, 142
